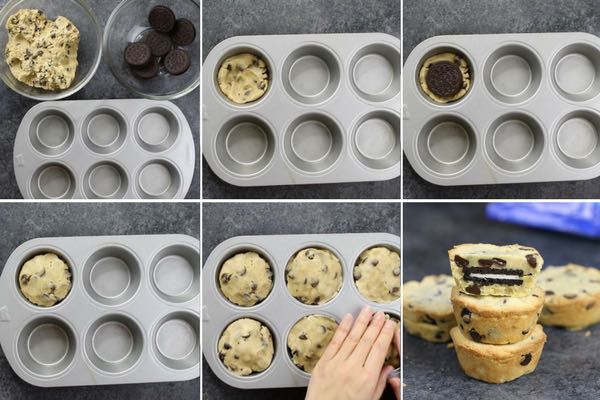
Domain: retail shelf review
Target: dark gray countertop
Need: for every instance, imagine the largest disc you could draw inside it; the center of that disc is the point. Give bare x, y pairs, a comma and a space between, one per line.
223, 221
227, 18
568, 368
22, 222
427, 18
102, 86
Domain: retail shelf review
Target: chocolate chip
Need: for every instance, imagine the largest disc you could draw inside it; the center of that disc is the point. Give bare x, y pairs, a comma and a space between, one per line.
225, 278
253, 286
475, 335
439, 335
525, 332
317, 300
374, 262
590, 306
474, 289
395, 289
222, 356
226, 346
526, 359
486, 263
243, 272
314, 283
309, 254
325, 269
499, 262
466, 315
461, 262
569, 296
549, 293
291, 276
246, 335
303, 336
534, 295
531, 260
428, 320
235, 356
504, 301
25, 279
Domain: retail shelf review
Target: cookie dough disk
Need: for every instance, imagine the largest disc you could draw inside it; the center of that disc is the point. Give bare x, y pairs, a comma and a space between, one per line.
498, 363
497, 320
572, 296
490, 270
243, 78
377, 275
246, 279
448, 57
308, 340
40, 52
428, 332
314, 276
246, 346
428, 301
393, 357
45, 280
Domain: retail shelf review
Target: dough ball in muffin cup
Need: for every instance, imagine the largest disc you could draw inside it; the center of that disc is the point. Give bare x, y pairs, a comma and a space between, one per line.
314, 276
377, 275
246, 347
393, 357
45, 280
246, 279
308, 339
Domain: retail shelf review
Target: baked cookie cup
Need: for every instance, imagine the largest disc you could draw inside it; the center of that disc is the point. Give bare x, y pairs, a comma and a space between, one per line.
497, 320
428, 301
498, 363
428, 332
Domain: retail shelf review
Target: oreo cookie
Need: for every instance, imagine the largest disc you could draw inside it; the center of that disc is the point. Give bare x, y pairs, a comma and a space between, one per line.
160, 43
177, 62
137, 54
162, 19
147, 71
184, 32
444, 78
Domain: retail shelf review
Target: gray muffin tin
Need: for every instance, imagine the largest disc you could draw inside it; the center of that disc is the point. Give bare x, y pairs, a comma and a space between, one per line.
131, 316
280, 311
532, 114
104, 149
331, 113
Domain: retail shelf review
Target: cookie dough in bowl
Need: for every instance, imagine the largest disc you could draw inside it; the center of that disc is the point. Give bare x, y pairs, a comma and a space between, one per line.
243, 78
314, 276
377, 275
246, 346
45, 280
246, 279
308, 340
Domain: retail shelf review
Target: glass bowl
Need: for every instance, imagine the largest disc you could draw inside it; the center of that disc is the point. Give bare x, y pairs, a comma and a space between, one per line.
90, 45
129, 23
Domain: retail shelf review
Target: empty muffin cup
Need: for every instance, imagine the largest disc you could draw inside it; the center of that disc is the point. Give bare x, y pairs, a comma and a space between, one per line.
576, 141
158, 179
104, 131
105, 180
313, 143
175, 341
513, 73
375, 72
51, 132
447, 144
376, 139
575, 71
311, 74
175, 273
46, 346
53, 181
515, 142
245, 145
114, 343
156, 129
112, 275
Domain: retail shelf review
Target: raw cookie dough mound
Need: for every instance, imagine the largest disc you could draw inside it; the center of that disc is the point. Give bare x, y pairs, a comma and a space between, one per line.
246, 279
572, 296
243, 78
314, 276
45, 280
445, 77
246, 346
377, 275
498, 363
40, 52
490, 270
428, 301
497, 320
308, 340
393, 357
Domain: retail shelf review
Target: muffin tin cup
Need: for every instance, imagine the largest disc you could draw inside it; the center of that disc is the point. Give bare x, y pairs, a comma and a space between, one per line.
104, 149
331, 113
531, 114
114, 326
280, 311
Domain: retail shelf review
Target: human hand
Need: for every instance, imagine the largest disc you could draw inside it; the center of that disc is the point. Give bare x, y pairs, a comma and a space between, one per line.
395, 381
351, 366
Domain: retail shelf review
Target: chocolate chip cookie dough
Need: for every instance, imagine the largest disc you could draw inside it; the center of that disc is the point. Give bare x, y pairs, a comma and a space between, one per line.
246, 346
246, 279
40, 52
314, 276
308, 340
445, 77
393, 357
45, 280
377, 275
243, 78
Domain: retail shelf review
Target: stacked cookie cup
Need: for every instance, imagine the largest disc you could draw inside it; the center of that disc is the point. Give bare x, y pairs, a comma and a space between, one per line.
497, 304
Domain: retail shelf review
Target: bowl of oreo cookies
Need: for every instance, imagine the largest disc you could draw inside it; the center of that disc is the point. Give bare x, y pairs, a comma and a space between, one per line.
153, 47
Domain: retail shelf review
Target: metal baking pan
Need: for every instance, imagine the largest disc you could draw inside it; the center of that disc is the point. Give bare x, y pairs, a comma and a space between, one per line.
131, 316
280, 311
104, 149
331, 113
532, 114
